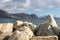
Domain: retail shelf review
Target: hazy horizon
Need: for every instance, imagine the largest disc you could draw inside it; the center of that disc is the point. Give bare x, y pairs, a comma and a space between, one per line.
38, 7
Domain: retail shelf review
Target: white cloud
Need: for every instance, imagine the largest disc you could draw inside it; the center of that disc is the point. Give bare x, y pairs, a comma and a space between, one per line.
6, 0
17, 5
38, 10
51, 6
1, 6
3, 1
27, 4
58, 1
37, 5
22, 9
46, 4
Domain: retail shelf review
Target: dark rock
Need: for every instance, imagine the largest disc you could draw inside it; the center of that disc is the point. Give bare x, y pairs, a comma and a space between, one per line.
59, 36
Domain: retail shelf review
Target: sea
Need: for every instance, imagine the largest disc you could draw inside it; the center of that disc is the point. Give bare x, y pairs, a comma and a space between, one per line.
35, 21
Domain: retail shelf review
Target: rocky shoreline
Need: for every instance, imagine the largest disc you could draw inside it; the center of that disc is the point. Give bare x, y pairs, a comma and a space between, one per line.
23, 30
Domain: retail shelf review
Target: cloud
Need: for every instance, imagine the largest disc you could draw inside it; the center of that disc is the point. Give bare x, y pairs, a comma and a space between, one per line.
27, 4
51, 6
17, 5
37, 5
38, 10
3, 1
58, 1
6, 0
46, 4
22, 9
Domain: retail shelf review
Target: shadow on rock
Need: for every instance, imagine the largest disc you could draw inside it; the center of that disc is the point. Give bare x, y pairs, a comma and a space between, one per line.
6, 38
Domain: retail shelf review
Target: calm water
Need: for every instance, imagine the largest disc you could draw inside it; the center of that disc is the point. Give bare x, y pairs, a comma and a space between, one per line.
35, 21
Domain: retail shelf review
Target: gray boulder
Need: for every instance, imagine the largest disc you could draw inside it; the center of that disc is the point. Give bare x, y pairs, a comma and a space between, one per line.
48, 27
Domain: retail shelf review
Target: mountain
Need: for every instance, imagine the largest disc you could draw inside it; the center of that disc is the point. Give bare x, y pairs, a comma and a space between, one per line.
44, 16
23, 15
4, 14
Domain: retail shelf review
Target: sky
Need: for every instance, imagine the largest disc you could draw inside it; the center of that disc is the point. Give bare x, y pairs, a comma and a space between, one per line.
38, 7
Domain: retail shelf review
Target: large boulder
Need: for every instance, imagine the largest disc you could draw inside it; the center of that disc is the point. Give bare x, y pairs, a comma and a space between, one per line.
48, 27
50, 20
5, 30
6, 27
19, 24
42, 30
24, 33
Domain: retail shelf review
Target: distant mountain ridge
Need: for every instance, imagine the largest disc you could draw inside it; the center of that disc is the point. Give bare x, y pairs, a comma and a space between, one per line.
4, 14
23, 15
46, 15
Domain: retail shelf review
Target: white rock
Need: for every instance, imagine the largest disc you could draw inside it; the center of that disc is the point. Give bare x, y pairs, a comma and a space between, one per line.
26, 30
30, 25
18, 24
6, 27
23, 33
14, 36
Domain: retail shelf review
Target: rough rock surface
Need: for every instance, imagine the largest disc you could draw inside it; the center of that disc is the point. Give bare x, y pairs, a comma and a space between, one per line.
19, 24
30, 25
24, 33
5, 36
6, 27
50, 20
48, 27
5, 30
44, 38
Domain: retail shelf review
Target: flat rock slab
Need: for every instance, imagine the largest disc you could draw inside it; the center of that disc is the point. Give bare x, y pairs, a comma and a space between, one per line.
44, 38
